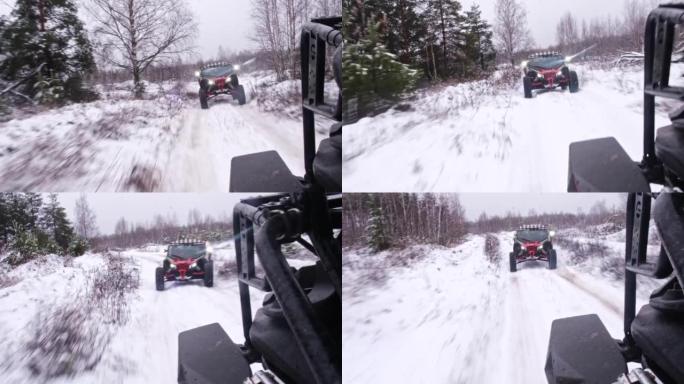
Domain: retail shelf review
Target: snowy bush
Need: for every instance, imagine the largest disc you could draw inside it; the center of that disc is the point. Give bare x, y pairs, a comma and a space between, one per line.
65, 341
78, 247
72, 336
110, 287
23, 247
491, 248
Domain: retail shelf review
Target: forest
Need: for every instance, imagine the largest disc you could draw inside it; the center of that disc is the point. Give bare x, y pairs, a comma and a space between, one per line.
384, 220
32, 225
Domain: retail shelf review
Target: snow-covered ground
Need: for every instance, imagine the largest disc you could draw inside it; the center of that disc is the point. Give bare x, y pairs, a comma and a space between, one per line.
163, 143
481, 137
144, 349
454, 317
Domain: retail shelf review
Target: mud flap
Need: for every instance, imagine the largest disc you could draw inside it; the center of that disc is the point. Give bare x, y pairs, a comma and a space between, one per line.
207, 355
602, 165
582, 351
262, 172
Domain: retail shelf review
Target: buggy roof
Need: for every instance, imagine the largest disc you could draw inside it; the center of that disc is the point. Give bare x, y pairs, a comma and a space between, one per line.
546, 60
533, 227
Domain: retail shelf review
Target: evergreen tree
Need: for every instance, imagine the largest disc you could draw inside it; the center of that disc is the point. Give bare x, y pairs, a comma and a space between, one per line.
46, 32
479, 47
446, 23
375, 229
405, 30
56, 224
372, 73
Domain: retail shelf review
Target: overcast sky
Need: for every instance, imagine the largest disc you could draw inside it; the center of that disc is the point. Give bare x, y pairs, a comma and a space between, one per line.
142, 207
220, 22
543, 15
501, 203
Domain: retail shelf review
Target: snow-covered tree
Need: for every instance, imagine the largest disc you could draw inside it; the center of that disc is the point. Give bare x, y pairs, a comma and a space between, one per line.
372, 73
46, 35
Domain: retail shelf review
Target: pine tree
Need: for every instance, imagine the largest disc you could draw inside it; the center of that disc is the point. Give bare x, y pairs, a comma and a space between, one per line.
47, 32
372, 73
56, 224
479, 47
405, 30
375, 229
446, 22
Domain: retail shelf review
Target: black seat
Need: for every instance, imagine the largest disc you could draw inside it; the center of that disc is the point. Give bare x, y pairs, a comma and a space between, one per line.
660, 335
669, 145
271, 335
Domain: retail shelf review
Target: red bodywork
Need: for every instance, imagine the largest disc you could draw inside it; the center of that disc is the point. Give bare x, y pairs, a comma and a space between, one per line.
551, 79
529, 251
182, 270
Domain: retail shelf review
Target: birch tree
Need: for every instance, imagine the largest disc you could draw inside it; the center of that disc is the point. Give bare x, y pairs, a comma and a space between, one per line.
134, 34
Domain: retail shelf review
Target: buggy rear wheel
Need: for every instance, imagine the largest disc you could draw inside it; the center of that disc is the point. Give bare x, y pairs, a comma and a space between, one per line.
574, 82
208, 274
527, 87
552, 259
159, 278
204, 98
512, 261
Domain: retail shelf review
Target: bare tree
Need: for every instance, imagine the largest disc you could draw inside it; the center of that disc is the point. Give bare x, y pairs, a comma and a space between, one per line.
277, 24
134, 34
121, 227
85, 223
635, 14
567, 32
510, 28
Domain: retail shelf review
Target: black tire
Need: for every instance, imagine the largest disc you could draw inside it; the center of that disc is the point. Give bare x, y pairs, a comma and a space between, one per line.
159, 278
234, 80
204, 98
574, 82
552, 259
209, 274
512, 261
527, 87
241, 95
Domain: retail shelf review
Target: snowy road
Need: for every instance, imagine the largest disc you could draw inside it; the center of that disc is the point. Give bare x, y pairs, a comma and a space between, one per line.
163, 144
456, 318
145, 349
476, 138
208, 139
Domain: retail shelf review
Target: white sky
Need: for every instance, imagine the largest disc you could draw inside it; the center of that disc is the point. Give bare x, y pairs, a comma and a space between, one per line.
220, 22
501, 203
543, 15
142, 207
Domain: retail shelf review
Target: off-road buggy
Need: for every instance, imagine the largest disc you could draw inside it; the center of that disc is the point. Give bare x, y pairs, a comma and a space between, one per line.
547, 71
219, 79
297, 333
185, 260
532, 243
602, 165
580, 348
